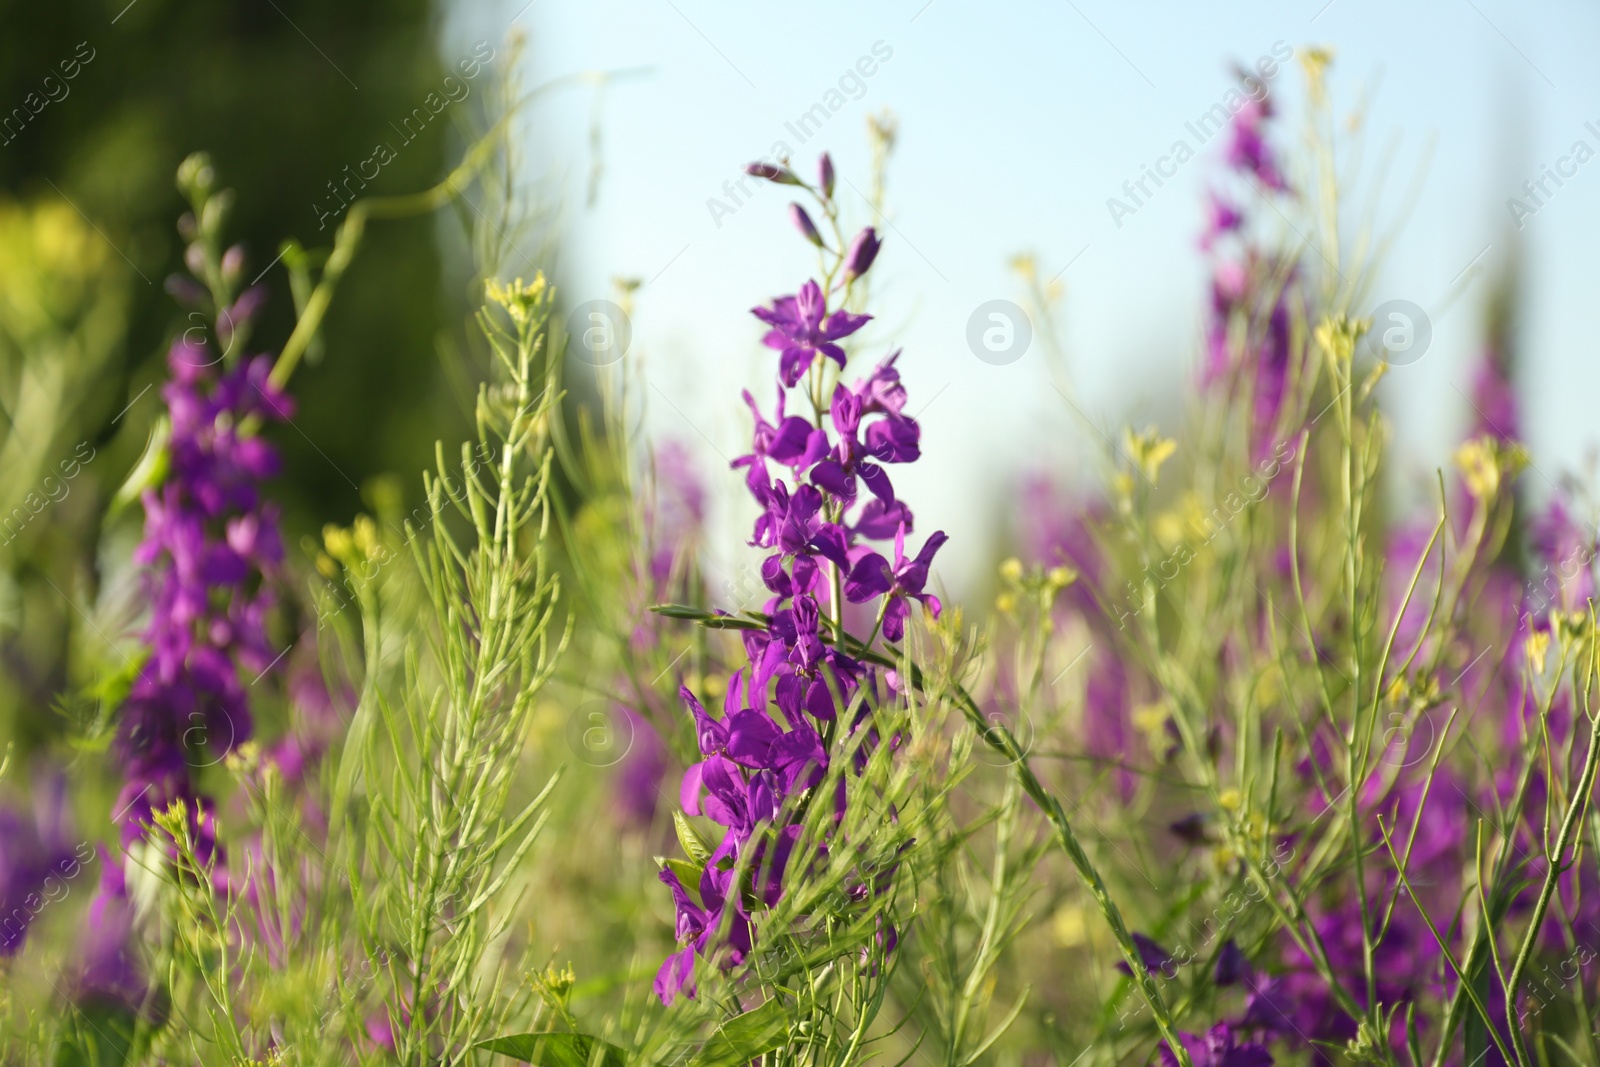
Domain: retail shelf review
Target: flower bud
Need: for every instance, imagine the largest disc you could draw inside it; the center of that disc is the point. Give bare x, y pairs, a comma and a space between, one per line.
233, 263
825, 175
194, 257
803, 223
772, 172
195, 174
863, 250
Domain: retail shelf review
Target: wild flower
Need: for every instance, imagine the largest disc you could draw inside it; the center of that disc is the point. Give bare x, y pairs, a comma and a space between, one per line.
211, 541
759, 768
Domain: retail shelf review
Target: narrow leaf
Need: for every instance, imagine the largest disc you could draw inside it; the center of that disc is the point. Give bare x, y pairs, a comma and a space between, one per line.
558, 1050
744, 1037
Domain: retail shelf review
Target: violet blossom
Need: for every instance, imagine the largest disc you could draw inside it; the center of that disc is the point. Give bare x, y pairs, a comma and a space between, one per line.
756, 763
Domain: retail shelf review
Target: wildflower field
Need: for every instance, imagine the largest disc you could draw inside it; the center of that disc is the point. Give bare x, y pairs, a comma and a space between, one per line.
369, 707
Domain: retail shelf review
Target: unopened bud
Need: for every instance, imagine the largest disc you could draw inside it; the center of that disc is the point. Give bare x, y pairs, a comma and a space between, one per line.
803, 223
772, 172
863, 250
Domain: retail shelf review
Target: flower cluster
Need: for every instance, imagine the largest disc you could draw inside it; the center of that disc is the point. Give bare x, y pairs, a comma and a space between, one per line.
211, 545
1248, 325
815, 521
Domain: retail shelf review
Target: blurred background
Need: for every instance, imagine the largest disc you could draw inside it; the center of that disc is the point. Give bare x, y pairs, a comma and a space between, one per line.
1015, 127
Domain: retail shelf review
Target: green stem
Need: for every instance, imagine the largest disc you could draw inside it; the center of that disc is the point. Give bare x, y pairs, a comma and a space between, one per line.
1553, 872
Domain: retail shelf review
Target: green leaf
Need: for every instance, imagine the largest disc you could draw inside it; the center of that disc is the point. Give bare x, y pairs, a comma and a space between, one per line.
113, 688
558, 1050
693, 844
688, 873
711, 620
744, 1037
149, 472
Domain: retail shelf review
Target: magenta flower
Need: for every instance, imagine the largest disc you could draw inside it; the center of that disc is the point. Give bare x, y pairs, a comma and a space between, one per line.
1248, 150
35, 854
802, 329
757, 765
1217, 1048
872, 577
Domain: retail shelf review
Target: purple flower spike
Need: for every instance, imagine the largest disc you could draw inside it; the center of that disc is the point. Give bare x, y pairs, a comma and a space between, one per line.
825, 175
803, 223
863, 250
760, 765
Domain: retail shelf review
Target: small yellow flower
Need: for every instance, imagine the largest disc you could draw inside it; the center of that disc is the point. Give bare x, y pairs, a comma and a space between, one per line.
1148, 450
1061, 577
1230, 799
1338, 335
1151, 721
1487, 463
1005, 604
1538, 648
1011, 570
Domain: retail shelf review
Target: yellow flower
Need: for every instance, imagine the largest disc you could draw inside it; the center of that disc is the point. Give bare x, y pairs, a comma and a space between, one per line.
1011, 570
1338, 335
1538, 647
1148, 450
1151, 720
1061, 577
1486, 463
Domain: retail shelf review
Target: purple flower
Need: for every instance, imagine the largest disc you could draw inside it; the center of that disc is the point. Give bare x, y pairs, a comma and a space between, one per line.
212, 547
109, 969
1217, 1048
825, 175
36, 857
1248, 150
872, 576
893, 439
1154, 958
1231, 965
759, 767
1494, 400
640, 772
802, 329
1221, 218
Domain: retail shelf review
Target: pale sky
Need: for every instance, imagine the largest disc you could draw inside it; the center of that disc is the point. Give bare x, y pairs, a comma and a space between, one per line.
1017, 123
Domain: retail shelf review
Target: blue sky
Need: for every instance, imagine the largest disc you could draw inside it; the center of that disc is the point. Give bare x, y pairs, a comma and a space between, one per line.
1017, 123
